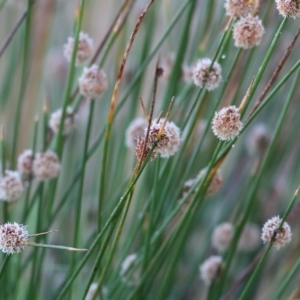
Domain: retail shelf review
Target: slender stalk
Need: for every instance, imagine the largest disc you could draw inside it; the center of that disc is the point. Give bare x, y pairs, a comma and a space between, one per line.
111, 113
24, 80
4, 265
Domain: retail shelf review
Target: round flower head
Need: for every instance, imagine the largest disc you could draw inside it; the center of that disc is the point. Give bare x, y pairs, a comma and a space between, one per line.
226, 123
126, 270
13, 238
210, 269
215, 183
203, 76
25, 162
250, 238
170, 140
238, 8
288, 8
135, 130
11, 186
93, 82
46, 165
278, 237
258, 139
248, 32
222, 236
55, 118
84, 50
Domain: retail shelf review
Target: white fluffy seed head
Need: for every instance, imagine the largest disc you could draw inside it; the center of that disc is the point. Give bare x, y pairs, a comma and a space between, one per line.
135, 130
84, 51
222, 236
272, 234
11, 186
93, 82
258, 140
170, 140
226, 123
248, 32
288, 8
250, 238
211, 269
215, 183
13, 237
46, 165
203, 76
238, 8
25, 162
55, 118
127, 273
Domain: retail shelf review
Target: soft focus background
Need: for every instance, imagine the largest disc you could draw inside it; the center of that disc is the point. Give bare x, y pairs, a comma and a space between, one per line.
195, 33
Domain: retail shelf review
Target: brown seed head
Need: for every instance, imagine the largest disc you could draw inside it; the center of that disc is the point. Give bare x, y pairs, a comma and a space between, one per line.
226, 123
93, 82
239, 8
288, 8
278, 237
207, 77
84, 50
248, 32
13, 237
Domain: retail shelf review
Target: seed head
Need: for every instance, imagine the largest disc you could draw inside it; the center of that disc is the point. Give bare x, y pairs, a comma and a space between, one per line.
248, 32
140, 142
46, 165
203, 76
215, 183
13, 238
55, 119
278, 237
258, 140
84, 50
238, 8
25, 162
226, 123
170, 140
288, 8
11, 186
210, 269
93, 82
222, 236
250, 238
135, 130
127, 273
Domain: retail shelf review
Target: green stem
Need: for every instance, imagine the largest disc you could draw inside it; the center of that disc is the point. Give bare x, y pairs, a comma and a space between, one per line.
264, 64
259, 265
117, 210
4, 265
71, 76
81, 185
24, 80
287, 280
251, 195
